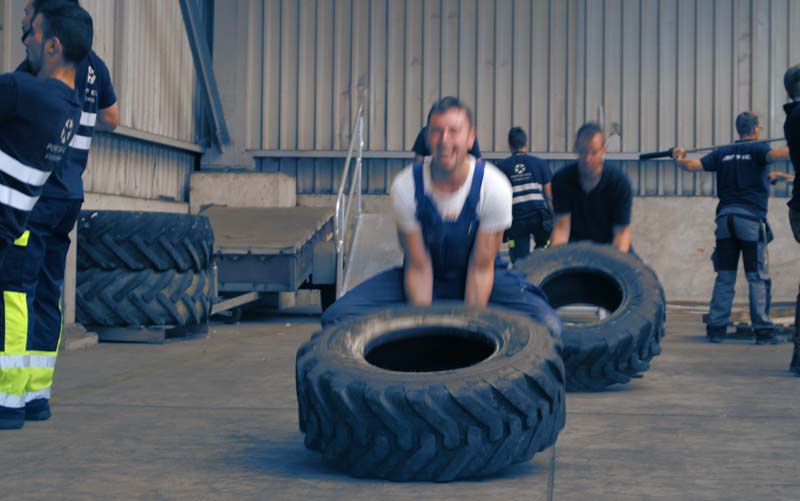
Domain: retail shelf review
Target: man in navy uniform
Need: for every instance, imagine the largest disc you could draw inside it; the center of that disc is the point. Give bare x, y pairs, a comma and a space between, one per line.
451, 211
38, 118
42, 261
791, 130
532, 202
741, 225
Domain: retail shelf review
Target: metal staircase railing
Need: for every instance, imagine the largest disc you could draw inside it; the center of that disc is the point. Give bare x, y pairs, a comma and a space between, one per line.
343, 220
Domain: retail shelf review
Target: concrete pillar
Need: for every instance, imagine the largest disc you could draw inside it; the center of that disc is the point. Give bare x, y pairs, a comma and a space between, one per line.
238, 70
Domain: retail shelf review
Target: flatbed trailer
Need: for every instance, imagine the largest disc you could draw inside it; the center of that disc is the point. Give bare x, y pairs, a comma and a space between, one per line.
260, 251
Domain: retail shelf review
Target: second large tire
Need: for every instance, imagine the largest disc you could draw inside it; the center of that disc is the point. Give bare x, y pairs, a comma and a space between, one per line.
619, 347
113, 240
121, 298
437, 393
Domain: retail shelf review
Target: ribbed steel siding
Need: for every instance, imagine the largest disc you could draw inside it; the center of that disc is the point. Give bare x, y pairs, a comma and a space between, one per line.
653, 178
144, 44
664, 71
123, 166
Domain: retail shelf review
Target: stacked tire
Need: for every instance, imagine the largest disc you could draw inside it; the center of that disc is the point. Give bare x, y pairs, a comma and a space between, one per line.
144, 269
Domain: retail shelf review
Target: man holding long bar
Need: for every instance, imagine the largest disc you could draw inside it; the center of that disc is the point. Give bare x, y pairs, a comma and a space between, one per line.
743, 189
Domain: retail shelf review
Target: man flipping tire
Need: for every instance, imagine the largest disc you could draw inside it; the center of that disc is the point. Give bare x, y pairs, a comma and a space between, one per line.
451, 212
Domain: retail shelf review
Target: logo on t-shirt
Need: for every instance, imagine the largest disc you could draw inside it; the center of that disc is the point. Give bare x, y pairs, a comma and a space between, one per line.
519, 168
91, 78
738, 156
66, 132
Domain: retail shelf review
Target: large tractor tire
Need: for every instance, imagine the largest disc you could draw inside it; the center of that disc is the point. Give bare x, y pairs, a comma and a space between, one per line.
113, 240
438, 393
615, 349
122, 298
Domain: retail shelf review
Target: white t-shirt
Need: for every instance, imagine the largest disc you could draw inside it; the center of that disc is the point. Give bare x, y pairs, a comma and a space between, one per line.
494, 205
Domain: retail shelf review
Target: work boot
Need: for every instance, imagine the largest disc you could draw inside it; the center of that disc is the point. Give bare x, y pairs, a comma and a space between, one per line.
715, 334
37, 410
794, 365
11, 419
767, 336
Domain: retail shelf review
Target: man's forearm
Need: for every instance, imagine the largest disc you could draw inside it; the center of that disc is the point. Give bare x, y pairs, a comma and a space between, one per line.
622, 240
419, 285
560, 235
480, 280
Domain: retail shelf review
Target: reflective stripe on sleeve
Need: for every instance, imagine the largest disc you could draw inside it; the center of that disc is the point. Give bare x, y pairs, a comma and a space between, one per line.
15, 199
81, 142
22, 172
88, 119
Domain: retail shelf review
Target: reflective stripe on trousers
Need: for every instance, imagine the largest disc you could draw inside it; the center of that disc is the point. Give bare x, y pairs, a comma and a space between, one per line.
24, 374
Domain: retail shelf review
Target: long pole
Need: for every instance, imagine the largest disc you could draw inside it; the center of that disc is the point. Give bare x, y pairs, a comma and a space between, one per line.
668, 153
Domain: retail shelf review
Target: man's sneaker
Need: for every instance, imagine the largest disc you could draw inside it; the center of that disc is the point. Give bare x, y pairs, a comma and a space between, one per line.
794, 365
715, 334
37, 410
767, 337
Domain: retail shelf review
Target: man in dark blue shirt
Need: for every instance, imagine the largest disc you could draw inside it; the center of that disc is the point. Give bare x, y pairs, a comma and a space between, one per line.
38, 117
530, 181
791, 130
39, 266
592, 200
743, 190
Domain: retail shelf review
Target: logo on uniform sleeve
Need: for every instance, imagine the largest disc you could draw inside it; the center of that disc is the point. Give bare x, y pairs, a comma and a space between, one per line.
519, 168
91, 78
66, 132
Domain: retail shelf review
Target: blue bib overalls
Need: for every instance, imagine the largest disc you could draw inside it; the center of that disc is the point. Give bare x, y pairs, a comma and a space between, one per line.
449, 245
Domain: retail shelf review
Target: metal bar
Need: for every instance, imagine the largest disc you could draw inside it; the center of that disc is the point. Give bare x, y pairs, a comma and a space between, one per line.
229, 304
156, 138
205, 71
709, 148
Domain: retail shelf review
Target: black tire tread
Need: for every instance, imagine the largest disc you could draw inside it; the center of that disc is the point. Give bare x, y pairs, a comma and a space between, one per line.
473, 428
138, 241
121, 298
598, 361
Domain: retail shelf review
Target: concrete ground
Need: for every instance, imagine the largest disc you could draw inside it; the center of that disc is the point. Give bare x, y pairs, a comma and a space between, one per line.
215, 418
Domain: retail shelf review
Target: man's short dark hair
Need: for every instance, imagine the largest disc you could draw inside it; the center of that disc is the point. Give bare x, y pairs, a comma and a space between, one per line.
517, 139
585, 135
746, 123
72, 25
445, 104
791, 81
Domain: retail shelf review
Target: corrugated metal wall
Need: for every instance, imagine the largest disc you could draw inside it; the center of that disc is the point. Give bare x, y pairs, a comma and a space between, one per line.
144, 44
661, 72
141, 169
